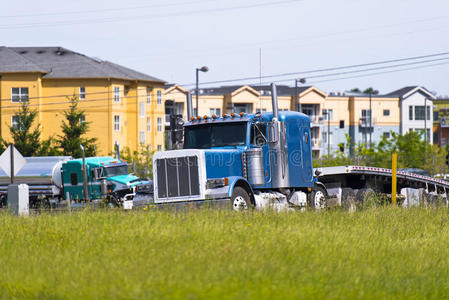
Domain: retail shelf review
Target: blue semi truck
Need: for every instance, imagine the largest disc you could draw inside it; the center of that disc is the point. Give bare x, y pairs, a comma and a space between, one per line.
247, 160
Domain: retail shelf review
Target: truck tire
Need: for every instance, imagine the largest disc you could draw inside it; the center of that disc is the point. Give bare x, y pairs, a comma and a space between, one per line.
240, 199
317, 198
348, 199
362, 196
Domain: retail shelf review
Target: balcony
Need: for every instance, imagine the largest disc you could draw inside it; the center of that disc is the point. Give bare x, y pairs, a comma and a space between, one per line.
314, 120
315, 143
366, 124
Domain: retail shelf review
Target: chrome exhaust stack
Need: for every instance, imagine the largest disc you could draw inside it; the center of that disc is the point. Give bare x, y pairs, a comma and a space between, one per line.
274, 101
278, 146
189, 106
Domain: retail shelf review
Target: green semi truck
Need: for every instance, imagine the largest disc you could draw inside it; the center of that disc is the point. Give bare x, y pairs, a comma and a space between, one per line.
54, 179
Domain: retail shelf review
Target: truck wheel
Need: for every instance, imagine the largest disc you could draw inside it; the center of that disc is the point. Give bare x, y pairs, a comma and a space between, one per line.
348, 199
364, 196
317, 198
240, 199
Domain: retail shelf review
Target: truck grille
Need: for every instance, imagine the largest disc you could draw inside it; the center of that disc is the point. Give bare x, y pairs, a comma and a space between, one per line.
177, 177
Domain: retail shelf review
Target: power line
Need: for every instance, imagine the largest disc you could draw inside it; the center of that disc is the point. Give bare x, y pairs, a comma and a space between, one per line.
119, 9
271, 76
323, 70
384, 72
136, 101
132, 18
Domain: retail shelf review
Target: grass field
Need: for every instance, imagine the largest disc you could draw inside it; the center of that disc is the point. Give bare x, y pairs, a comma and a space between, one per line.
207, 254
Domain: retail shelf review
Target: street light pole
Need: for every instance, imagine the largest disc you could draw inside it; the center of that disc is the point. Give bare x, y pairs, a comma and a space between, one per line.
202, 69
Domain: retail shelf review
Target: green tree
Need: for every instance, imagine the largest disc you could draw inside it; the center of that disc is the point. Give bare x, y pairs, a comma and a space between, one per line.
371, 91
74, 129
141, 160
410, 148
26, 136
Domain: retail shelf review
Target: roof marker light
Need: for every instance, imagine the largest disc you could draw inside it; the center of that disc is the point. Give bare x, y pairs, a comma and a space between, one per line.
214, 116
199, 118
192, 118
205, 117
233, 115
241, 114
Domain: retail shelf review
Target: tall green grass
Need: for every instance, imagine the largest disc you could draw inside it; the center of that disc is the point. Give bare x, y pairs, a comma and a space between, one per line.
207, 254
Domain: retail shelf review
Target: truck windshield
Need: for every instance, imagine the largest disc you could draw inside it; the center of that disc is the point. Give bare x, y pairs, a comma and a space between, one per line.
116, 170
215, 135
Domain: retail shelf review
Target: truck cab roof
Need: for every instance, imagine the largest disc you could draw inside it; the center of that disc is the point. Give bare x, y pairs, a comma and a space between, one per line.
95, 161
263, 117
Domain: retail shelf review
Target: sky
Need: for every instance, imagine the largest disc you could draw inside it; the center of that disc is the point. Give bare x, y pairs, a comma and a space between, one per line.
169, 39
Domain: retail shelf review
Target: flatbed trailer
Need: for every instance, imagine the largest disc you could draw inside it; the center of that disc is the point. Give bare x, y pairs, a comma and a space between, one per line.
343, 182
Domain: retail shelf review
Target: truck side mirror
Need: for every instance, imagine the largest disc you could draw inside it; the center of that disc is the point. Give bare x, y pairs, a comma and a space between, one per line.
97, 173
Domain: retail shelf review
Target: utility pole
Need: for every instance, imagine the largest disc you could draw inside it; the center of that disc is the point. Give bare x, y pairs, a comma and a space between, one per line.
425, 128
370, 121
328, 133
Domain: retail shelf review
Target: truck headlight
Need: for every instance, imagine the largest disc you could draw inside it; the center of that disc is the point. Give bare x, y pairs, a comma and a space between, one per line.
217, 183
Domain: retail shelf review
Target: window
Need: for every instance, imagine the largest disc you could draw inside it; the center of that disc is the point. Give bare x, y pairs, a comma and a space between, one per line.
215, 111
82, 93
159, 97
74, 178
83, 119
142, 109
195, 112
386, 135
116, 94
116, 123
215, 135
159, 147
159, 124
263, 110
419, 112
410, 112
386, 112
328, 114
14, 121
142, 137
342, 124
366, 113
148, 95
19, 94
436, 116
259, 134
436, 137
325, 138
148, 124
421, 131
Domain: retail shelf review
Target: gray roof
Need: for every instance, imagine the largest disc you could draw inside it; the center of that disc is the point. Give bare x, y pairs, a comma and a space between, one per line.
58, 62
402, 92
282, 90
405, 90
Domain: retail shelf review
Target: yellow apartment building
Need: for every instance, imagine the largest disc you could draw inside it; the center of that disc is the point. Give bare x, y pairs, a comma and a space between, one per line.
122, 105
